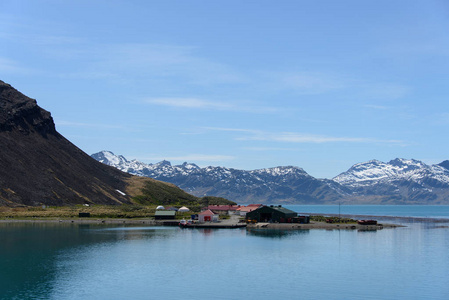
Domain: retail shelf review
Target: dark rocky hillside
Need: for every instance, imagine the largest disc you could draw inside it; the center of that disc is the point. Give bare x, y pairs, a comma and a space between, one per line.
39, 166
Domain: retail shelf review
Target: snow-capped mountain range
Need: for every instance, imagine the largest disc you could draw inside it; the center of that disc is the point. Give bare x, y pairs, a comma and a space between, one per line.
374, 171
399, 181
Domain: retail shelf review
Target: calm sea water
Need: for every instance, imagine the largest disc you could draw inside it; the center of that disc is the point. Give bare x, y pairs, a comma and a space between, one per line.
69, 261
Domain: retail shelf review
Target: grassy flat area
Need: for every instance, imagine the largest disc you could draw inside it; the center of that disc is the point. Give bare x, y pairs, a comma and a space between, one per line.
96, 211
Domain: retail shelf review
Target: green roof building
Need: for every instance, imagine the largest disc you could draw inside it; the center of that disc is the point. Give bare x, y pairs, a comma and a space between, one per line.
164, 215
272, 214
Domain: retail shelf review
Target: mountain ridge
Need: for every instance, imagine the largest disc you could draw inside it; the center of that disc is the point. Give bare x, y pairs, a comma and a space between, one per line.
399, 181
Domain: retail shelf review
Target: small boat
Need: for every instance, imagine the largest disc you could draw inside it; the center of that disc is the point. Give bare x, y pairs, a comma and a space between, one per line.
185, 223
367, 222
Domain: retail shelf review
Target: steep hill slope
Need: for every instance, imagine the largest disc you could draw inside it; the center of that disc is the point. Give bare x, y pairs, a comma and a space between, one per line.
39, 166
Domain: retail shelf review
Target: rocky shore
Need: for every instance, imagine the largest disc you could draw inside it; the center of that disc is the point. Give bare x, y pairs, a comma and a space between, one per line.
321, 225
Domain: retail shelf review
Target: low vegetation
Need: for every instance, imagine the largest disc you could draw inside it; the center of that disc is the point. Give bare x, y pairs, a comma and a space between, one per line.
154, 192
336, 220
96, 211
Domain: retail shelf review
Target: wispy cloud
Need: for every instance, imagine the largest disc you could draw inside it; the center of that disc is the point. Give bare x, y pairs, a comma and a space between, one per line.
9, 66
312, 82
196, 103
152, 61
232, 129
383, 91
377, 107
440, 119
189, 103
293, 137
262, 149
88, 125
303, 82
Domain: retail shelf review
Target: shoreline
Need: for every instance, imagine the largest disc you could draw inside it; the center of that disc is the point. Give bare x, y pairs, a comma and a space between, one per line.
84, 221
320, 225
280, 226
264, 226
391, 218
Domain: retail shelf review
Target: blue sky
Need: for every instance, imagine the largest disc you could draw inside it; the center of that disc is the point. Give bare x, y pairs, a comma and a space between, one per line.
244, 84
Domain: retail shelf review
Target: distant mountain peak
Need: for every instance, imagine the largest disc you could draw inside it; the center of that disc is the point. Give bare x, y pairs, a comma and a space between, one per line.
187, 165
444, 164
164, 163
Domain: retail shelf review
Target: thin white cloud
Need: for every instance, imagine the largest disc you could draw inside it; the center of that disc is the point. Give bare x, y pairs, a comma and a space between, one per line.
9, 66
232, 129
441, 119
383, 91
196, 103
290, 137
304, 83
313, 83
378, 107
151, 62
88, 125
262, 149
189, 103
293, 137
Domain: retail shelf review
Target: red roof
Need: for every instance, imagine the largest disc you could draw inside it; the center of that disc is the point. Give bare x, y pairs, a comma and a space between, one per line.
248, 208
207, 213
223, 207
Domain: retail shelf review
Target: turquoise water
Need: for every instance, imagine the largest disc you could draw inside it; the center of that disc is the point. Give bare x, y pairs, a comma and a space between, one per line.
69, 261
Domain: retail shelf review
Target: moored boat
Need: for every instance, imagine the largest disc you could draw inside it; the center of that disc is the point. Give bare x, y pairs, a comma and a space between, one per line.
367, 222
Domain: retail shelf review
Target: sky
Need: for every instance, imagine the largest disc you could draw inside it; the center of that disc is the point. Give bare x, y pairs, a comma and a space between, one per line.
319, 84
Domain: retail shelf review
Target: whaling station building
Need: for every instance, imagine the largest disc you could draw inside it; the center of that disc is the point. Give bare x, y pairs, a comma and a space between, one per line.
275, 214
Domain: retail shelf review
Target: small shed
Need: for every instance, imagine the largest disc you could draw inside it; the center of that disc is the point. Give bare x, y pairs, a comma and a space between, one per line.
207, 216
183, 209
272, 214
164, 215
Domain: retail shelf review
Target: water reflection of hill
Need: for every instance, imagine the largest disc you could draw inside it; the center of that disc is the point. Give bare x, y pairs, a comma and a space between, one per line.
30, 251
